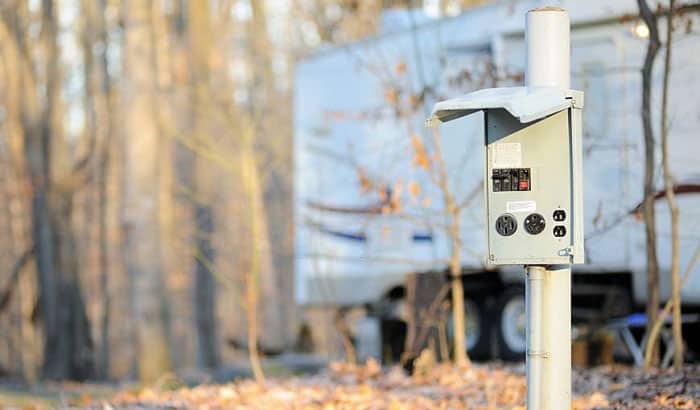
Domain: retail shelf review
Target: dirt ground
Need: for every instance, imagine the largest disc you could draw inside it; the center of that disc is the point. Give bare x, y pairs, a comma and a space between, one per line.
492, 386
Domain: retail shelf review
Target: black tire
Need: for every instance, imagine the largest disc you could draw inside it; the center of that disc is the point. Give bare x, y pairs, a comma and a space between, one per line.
478, 329
510, 325
393, 335
691, 334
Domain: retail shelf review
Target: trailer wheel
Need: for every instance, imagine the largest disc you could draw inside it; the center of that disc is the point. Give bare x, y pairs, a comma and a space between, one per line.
511, 324
478, 335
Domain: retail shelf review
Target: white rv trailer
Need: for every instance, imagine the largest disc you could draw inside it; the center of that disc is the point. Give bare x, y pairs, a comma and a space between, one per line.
358, 109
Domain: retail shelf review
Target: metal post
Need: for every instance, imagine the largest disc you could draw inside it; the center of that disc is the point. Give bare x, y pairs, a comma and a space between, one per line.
548, 290
556, 381
548, 358
535, 357
548, 48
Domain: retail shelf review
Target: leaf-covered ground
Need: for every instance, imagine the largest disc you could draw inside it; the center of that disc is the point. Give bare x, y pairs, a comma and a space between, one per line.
492, 386
440, 387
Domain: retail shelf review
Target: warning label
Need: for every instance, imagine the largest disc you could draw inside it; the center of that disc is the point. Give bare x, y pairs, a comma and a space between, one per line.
521, 206
507, 155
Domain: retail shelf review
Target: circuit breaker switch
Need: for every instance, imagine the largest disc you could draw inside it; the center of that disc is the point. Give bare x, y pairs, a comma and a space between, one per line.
510, 179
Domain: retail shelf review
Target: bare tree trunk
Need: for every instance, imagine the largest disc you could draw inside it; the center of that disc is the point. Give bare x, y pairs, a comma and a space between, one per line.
341, 325
205, 290
67, 343
263, 81
251, 180
103, 169
72, 353
656, 328
458, 313
140, 213
204, 281
19, 208
94, 30
263, 94
671, 199
442, 332
251, 308
67, 346
38, 150
453, 213
649, 147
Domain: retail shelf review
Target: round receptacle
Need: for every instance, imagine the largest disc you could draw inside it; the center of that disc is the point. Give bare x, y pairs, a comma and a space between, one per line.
506, 225
534, 224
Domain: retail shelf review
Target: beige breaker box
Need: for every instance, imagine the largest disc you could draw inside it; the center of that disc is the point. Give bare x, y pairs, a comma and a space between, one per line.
533, 172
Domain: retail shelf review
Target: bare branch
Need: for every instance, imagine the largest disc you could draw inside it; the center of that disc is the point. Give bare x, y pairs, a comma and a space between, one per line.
6, 294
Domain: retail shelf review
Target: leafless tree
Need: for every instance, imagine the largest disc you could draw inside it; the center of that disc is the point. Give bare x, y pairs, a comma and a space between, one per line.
453, 211
67, 344
649, 213
103, 171
140, 213
200, 38
671, 199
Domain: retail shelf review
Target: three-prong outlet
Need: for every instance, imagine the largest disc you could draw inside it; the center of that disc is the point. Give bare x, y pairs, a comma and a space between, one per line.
535, 224
559, 215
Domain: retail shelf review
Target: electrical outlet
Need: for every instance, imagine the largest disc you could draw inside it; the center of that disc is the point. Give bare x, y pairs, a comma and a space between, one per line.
559, 231
559, 215
534, 224
506, 225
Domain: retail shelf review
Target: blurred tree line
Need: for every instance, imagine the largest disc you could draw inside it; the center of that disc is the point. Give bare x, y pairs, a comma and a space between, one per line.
145, 177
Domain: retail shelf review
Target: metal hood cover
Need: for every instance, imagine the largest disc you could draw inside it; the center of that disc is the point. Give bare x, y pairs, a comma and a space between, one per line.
524, 103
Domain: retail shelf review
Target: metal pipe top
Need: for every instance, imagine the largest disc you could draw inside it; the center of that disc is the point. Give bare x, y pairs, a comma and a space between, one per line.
548, 48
